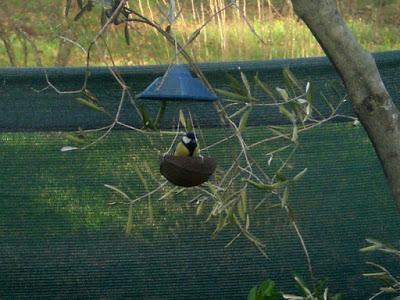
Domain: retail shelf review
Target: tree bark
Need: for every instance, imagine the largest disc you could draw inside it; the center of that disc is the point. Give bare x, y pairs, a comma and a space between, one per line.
9, 47
370, 99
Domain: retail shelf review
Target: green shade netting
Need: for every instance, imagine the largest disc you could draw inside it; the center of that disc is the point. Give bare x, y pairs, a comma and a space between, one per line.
61, 236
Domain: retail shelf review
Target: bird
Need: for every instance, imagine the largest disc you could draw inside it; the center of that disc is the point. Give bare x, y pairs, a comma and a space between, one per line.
187, 146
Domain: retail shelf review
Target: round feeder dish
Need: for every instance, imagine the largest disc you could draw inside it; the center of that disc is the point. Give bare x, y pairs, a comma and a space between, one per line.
187, 171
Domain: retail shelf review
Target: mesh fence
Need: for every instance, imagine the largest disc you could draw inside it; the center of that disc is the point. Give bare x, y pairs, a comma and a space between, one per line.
62, 232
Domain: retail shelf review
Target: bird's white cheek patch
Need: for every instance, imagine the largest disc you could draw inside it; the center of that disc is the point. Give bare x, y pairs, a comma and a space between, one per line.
186, 140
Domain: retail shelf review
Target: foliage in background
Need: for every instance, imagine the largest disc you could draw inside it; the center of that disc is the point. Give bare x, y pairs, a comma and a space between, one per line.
37, 33
228, 195
390, 282
267, 291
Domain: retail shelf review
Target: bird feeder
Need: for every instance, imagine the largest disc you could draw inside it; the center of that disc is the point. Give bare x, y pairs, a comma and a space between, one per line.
178, 84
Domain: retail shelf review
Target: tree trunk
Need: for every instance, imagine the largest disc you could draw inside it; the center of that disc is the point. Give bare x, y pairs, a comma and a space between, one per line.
287, 9
371, 102
9, 47
65, 47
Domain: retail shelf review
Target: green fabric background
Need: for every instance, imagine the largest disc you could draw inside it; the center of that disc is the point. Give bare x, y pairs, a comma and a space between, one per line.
60, 239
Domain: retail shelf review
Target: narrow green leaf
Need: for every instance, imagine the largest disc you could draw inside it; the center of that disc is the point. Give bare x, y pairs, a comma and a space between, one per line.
210, 215
267, 291
74, 138
296, 109
283, 93
243, 197
221, 223
147, 122
169, 195
200, 208
374, 241
290, 116
129, 223
189, 123
327, 102
234, 96
212, 188
264, 87
68, 148
90, 95
160, 114
300, 175
151, 211
285, 197
280, 176
307, 112
182, 118
246, 83
310, 93
232, 217
302, 287
295, 135
370, 248
90, 104
141, 177
252, 294
376, 274
242, 205
241, 212
243, 121
267, 187
236, 85
239, 111
278, 133
291, 79
390, 290
291, 215
339, 297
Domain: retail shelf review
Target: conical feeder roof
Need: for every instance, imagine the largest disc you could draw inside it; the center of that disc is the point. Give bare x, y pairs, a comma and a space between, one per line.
177, 84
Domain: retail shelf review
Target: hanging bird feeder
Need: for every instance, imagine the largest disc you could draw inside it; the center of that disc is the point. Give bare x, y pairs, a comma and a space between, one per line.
187, 171
178, 84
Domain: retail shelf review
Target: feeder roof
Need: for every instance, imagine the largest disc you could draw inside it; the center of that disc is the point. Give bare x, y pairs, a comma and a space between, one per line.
177, 84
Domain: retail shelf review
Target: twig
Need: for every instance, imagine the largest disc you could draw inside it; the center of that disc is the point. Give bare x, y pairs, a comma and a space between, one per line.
303, 245
111, 126
138, 198
118, 191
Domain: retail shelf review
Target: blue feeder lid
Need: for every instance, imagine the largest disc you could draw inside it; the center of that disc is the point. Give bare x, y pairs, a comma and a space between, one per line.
179, 85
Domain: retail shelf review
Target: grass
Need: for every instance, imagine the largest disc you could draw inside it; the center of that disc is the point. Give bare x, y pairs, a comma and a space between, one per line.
72, 183
56, 224
226, 38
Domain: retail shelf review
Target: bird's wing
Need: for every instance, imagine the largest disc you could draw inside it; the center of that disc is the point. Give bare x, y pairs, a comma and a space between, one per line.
181, 150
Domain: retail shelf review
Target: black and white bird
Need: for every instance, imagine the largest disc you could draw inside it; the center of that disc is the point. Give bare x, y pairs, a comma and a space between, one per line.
187, 146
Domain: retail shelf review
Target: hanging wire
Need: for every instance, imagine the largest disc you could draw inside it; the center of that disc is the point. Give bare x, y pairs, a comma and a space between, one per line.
173, 141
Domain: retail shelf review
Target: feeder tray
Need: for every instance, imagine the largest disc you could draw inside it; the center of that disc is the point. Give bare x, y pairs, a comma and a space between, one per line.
187, 171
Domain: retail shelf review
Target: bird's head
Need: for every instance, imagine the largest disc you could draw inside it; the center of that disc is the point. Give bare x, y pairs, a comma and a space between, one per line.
189, 139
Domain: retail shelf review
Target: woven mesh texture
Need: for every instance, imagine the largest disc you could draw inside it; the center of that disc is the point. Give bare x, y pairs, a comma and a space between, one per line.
61, 238
24, 109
